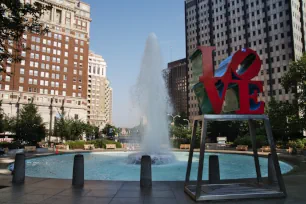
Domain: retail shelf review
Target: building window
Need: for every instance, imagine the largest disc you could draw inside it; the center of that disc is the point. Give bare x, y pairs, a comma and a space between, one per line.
21, 80
7, 87
20, 88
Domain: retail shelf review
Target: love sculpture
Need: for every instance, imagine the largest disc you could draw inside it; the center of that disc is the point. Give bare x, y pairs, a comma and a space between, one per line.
230, 93
232, 82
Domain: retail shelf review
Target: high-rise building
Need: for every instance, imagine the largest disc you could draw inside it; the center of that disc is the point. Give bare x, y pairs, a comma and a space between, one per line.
176, 80
97, 91
108, 102
54, 69
274, 29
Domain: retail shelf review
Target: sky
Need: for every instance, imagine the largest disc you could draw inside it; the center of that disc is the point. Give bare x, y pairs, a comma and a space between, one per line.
118, 32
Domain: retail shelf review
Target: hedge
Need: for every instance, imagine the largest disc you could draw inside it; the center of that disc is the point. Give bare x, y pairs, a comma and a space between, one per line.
97, 143
12, 145
102, 143
261, 140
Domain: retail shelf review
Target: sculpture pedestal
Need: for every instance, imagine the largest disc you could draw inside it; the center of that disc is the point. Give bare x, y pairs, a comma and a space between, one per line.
225, 191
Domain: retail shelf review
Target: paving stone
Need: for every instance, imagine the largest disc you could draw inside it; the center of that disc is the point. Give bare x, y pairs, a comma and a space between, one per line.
151, 200
101, 193
129, 194
74, 192
127, 201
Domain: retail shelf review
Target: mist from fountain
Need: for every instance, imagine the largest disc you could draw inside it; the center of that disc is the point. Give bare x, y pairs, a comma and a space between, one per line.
152, 98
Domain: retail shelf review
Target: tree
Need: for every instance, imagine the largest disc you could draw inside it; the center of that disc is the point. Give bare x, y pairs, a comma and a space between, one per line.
30, 125
6, 123
285, 122
74, 129
110, 130
295, 81
15, 19
182, 120
180, 132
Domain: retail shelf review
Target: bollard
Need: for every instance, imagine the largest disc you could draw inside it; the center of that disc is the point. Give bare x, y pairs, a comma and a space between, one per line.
214, 171
19, 169
145, 172
78, 171
271, 170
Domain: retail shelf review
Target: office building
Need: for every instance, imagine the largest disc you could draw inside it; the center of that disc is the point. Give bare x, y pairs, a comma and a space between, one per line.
53, 72
98, 96
176, 80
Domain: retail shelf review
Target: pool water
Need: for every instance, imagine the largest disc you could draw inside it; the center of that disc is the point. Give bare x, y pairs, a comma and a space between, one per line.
113, 166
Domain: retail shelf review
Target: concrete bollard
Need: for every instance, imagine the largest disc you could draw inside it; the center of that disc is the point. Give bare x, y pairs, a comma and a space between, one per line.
271, 170
78, 171
214, 170
146, 172
19, 169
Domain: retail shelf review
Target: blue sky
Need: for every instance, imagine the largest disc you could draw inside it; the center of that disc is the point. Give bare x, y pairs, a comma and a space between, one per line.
118, 32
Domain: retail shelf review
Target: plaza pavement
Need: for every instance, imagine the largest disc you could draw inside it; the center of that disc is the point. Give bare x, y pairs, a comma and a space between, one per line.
60, 191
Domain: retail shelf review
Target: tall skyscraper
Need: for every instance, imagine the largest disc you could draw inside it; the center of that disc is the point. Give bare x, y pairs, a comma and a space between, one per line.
53, 72
99, 109
108, 102
275, 29
176, 80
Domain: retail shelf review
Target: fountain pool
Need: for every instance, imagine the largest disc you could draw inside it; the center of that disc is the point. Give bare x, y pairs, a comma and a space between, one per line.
114, 166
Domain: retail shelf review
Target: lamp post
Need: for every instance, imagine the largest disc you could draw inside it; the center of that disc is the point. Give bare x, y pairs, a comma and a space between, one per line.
173, 117
188, 123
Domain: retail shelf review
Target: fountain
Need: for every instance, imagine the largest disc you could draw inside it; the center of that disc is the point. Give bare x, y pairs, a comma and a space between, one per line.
152, 99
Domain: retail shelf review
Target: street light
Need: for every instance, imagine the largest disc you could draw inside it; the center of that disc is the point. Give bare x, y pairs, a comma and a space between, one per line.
188, 122
173, 117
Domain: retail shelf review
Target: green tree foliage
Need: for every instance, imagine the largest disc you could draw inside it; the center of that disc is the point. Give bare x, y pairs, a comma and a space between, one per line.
110, 130
73, 129
181, 120
284, 119
6, 123
180, 132
15, 19
295, 81
30, 125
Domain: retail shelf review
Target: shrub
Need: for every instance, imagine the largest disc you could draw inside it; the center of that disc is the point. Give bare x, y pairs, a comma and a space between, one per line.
76, 144
261, 140
281, 144
177, 142
102, 143
292, 144
299, 144
12, 145
246, 140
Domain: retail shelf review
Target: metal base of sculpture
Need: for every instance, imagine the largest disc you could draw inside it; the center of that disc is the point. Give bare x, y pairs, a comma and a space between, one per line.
226, 191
